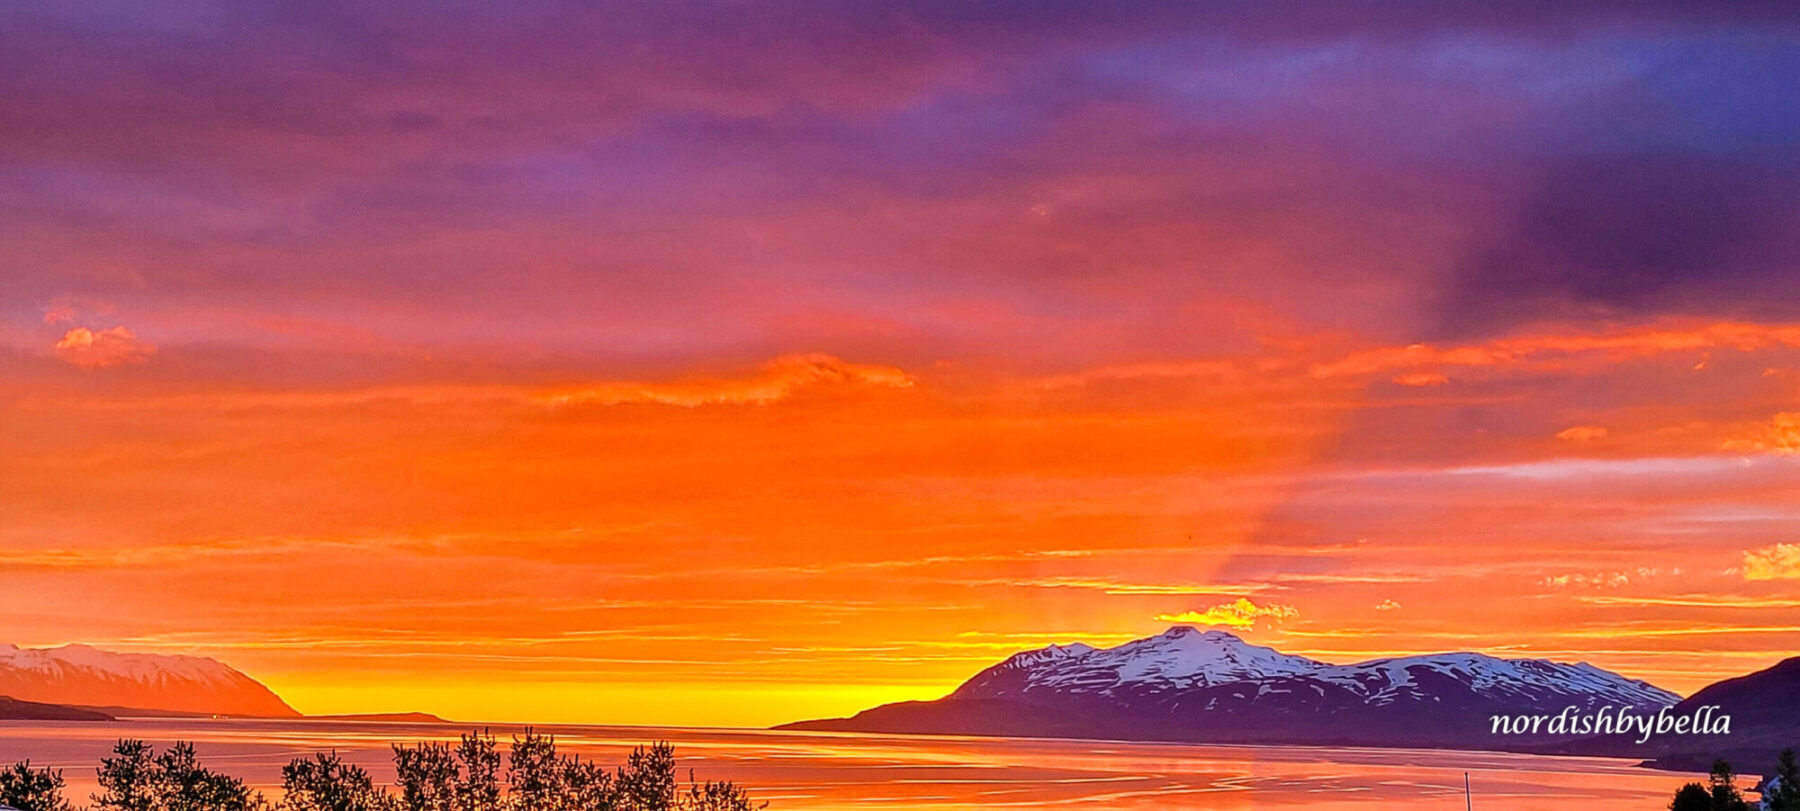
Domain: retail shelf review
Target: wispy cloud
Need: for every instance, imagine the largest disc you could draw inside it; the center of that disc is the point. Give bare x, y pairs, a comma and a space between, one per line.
1707, 601
1548, 350
1114, 586
778, 380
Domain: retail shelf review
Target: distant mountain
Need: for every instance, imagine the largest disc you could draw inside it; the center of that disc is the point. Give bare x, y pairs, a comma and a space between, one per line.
81, 675
12, 709
1189, 685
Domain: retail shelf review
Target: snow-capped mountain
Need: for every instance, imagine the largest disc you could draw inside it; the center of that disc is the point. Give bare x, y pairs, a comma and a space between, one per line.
1386, 681
86, 676
1181, 658
1190, 685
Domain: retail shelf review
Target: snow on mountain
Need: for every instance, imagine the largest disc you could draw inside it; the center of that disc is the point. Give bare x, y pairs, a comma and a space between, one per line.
1180, 658
79, 674
1384, 681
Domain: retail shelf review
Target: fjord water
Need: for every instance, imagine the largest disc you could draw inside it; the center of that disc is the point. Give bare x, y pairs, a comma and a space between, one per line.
814, 771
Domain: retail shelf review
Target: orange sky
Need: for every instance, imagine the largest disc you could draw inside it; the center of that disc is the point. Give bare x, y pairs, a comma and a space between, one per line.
526, 363
812, 535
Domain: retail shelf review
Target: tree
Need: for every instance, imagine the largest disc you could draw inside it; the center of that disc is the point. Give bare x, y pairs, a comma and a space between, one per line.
716, 796
185, 786
479, 789
647, 780
1722, 786
1692, 797
427, 776
1786, 796
128, 779
533, 775
587, 786
138, 779
325, 783
29, 789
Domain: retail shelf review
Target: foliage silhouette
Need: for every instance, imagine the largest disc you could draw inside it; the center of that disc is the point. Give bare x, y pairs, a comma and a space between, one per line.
29, 789
1786, 795
429, 776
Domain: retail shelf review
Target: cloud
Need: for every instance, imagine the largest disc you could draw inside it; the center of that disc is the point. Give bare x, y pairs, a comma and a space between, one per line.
1421, 379
1581, 433
1387, 605
1780, 435
1550, 350
1775, 562
1633, 235
1110, 586
778, 380
108, 347
1610, 580
1699, 601
1240, 614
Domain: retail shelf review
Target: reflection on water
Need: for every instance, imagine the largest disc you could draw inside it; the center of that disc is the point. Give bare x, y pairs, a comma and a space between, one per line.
795, 770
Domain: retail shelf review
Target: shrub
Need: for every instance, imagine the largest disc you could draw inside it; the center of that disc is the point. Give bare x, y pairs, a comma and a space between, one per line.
29, 789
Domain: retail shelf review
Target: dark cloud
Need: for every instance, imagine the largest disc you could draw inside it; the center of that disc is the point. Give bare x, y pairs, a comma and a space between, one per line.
1631, 236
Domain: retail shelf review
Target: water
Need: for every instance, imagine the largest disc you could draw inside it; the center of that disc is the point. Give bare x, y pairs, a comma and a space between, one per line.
802, 770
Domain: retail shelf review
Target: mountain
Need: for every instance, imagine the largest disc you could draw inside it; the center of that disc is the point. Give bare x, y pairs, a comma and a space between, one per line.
12, 709
78, 674
1764, 708
1183, 658
1189, 685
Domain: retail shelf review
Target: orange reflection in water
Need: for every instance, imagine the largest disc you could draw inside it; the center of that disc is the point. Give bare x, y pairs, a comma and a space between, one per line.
906, 773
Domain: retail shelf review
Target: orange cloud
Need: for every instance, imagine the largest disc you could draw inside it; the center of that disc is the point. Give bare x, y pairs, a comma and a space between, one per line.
1581, 433
1242, 614
108, 347
1421, 379
1622, 344
1387, 605
780, 379
1109, 586
1774, 562
1780, 435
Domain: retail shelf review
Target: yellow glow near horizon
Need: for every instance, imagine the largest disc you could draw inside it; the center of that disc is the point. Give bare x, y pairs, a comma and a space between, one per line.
615, 703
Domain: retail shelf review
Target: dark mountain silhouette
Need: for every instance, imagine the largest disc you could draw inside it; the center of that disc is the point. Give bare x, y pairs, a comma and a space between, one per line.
1188, 685
12, 709
1764, 708
153, 684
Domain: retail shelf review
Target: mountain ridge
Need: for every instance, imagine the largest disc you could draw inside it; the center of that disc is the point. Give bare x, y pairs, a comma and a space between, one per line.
1212, 686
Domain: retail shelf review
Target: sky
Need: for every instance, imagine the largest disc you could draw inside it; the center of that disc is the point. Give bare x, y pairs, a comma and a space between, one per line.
738, 363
